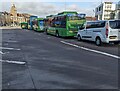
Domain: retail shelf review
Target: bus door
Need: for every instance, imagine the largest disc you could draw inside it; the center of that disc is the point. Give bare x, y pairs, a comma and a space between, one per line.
41, 24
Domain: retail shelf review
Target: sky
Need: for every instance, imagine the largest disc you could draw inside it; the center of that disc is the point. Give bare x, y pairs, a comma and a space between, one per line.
47, 7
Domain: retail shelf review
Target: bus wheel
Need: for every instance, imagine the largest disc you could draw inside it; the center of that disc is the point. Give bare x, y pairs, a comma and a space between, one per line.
46, 32
79, 38
57, 34
98, 41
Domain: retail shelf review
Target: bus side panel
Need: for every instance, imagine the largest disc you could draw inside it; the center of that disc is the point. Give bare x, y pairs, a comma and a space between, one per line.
62, 32
41, 25
51, 30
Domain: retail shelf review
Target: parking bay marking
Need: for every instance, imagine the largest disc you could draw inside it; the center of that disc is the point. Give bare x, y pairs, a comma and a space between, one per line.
6, 48
91, 50
1, 52
12, 41
13, 62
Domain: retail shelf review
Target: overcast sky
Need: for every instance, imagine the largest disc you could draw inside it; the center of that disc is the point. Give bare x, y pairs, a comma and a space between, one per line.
47, 7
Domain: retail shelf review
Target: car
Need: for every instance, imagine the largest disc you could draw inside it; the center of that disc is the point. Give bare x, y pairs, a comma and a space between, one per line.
100, 31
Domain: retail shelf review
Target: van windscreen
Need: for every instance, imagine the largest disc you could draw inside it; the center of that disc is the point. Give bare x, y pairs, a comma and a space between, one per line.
115, 24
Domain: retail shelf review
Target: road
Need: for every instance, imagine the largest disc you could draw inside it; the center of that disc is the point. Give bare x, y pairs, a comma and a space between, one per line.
33, 60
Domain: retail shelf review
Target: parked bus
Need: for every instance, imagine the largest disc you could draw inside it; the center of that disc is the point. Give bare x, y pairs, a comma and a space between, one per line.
24, 25
47, 22
67, 12
30, 25
66, 24
38, 24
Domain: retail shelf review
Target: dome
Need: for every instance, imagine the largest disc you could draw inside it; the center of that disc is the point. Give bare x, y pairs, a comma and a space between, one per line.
13, 10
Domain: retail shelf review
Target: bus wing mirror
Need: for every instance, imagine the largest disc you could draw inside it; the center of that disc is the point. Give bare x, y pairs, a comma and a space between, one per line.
80, 28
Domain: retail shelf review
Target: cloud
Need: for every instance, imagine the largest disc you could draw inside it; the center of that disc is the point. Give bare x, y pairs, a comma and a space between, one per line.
74, 7
57, 0
43, 9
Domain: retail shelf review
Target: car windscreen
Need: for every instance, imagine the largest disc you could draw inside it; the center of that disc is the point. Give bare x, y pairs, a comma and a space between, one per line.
115, 24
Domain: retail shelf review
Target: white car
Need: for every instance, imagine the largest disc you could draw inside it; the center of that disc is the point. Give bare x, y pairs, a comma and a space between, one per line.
100, 31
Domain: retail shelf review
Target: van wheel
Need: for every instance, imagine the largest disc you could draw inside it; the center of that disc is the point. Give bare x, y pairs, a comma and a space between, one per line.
98, 41
79, 38
57, 34
116, 43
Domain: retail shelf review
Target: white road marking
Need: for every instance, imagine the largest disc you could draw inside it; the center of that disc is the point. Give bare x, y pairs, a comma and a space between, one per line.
6, 48
13, 62
1, 52
11, 41
95, 51
48, 37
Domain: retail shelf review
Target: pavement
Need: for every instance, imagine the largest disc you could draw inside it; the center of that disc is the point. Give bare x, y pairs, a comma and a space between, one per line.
9, 27
34, 60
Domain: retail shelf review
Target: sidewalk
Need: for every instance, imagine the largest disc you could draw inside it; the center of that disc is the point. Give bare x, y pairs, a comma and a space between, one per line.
8, 27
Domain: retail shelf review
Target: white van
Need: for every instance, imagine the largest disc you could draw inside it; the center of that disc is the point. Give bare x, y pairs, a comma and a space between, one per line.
100, 31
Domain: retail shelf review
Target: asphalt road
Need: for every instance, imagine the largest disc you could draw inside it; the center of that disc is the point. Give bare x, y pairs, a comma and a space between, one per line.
33, 60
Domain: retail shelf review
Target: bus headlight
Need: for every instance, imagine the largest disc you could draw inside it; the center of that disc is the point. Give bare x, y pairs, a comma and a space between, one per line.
70, 31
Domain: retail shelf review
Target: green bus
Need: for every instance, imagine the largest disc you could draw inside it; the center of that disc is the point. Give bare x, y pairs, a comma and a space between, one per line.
38, 24
66, 24
67, 12
47, 22
24, 25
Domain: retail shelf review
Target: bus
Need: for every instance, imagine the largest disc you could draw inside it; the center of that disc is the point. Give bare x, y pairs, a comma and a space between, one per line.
67, 12
66, 24
24, 25
30, 25
47, 22
38, 24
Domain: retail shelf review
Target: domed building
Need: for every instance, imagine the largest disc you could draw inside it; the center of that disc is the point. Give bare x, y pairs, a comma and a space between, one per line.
13, 12
17, 18
13, 18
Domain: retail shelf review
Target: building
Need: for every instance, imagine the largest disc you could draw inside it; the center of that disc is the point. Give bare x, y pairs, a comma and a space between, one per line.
104, 11
117, 11
13, 12
5, 19
2, 19
89, 18
17, 18
13, 18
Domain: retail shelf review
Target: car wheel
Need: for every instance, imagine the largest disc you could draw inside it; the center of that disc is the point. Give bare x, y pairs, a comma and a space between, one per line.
79, 38
98, 41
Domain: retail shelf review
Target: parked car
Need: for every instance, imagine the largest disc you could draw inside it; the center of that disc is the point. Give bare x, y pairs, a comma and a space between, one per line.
100, 31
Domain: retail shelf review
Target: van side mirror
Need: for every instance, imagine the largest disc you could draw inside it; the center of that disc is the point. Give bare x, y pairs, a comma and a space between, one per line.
81, 27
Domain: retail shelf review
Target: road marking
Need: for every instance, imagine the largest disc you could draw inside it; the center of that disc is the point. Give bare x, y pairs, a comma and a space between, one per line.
11, 41
48, 37
13, 62
6, 48
91, 50
1, 52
